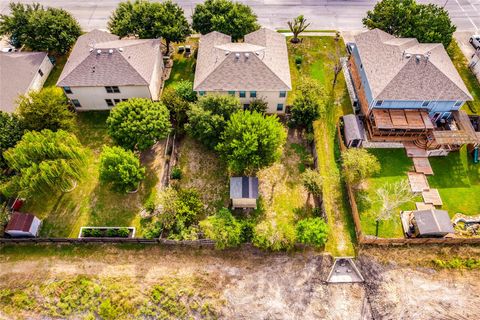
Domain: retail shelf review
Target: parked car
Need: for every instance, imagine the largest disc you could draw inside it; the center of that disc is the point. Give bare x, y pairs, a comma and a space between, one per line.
475, 41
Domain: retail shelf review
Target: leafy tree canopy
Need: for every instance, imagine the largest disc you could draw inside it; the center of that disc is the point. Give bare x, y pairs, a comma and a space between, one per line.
312, 181
232, 18
429, 23
121, 168
46, 109
251, 141
258, 105
184, 89
138, 123
274, 235
223, 228
45, 161
11, 131
40, 29
308, 104
358, 165
150, 20
312, 231
207, 119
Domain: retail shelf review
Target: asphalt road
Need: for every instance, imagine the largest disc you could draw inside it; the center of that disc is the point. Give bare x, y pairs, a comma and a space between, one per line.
323, 14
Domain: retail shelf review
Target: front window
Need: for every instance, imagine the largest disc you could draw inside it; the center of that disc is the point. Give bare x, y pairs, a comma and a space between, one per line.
116, 101
67, 90
280, 107
242, 94
201, 93
76, 103
112, 89
109, 102
283, 94
232, 93
458, 103
378, 103
253, 94
425, 103
40, 72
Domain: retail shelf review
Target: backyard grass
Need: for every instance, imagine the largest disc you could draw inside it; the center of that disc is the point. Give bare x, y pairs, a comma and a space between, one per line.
457, 179
56, 71
461, 63
183, 66
90, 203
317, 54
394, 167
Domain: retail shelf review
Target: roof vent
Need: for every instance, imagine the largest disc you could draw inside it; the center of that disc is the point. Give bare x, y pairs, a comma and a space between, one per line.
408, 56
120, 49
91, 49
247, 55
110, 51
418, 57
257, 53
99, 51
227, 53
237, 55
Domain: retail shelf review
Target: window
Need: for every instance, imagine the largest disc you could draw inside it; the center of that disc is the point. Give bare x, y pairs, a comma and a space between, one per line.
361, 66
124, 99
253, 94
112, 89
425, 103
458, 103
246, 106
280, 107
67, 90
116, 101
201, 93
283, 94
378, 103
242, 94
232, 93
109, 102
40, 72
76, 103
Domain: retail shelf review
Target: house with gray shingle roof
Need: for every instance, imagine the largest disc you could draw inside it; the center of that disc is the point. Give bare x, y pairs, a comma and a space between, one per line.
409, 91
253, 69
103, 69
20, 73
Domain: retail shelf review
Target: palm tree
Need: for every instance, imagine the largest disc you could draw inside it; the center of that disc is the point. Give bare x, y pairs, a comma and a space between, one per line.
297, 26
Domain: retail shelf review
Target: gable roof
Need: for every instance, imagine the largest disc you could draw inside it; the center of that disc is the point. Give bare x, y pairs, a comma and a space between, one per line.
259, 63
243, 188
404, 69
18, 69
103, 59
433, 221
20, 222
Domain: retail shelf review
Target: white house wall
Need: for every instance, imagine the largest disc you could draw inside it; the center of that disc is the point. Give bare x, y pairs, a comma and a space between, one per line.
156, 81
93, 98
271, 97
38, 80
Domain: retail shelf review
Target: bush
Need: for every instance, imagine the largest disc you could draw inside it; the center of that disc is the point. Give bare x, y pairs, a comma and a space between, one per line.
298, 60
473, 106
153, 230
184, 89
274, 235
358, 165
223, 228
309, 103
258, 105
176, 173
312, 181
86, 232
312, 231
121, 168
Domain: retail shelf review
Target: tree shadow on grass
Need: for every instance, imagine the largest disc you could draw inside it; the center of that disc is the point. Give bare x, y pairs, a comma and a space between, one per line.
450, 171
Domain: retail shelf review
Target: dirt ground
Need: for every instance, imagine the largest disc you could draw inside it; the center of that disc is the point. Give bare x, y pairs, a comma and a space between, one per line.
256, 285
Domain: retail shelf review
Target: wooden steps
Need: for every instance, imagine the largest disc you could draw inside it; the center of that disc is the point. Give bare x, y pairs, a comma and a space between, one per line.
418, 182
414, 151
422, 165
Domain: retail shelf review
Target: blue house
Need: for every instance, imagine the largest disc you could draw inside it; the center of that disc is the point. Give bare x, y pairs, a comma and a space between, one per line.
408, 90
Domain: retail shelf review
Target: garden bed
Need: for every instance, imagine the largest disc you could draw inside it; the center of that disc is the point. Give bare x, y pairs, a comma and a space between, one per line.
106, 232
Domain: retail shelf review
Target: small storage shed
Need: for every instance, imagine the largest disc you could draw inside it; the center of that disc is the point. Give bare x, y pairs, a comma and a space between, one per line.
432, 223
23, 225
244, 192
353, 131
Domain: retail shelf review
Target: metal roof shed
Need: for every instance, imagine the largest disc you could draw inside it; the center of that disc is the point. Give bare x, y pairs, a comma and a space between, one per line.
244, 192
353, 131
23, 225
432, 223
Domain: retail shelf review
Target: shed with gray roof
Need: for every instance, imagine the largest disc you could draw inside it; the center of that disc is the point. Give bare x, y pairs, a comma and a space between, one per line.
244, 192
432, 223
353, 131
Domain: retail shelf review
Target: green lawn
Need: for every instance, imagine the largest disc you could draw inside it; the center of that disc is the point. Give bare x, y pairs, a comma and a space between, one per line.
317, 63
183, 67
394, 167
461, 63
56, 71
458, 180
90, 203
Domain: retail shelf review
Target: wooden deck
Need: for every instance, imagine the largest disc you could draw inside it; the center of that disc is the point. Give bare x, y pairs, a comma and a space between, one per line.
418, 182
422, 165
401, 119
433, 197
413, 151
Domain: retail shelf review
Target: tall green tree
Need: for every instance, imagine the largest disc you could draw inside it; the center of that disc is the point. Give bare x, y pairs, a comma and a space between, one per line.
121, 168
358, 165
308, 104
297, 26
207, 119
46, 109
150, 20
251, 141
223, 228
40, 29
138, 123
232, 18
11, 131
428, 23
45, 161
177, 99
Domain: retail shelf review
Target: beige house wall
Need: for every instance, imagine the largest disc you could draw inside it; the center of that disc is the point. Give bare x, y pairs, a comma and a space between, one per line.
271, 97
39, 80
156, 81
93, 98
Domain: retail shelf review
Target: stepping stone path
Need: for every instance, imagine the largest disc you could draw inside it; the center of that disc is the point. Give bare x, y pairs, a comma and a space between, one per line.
432, 196
418, 182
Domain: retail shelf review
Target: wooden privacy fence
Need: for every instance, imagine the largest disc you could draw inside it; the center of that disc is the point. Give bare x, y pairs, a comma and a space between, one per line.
363, 239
